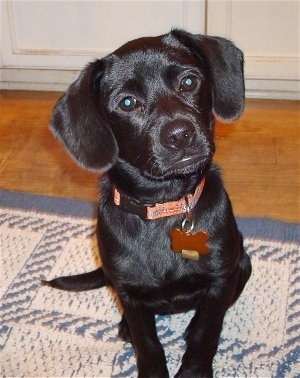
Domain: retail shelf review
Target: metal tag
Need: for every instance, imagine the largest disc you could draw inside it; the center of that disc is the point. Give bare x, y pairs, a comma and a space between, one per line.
192, 245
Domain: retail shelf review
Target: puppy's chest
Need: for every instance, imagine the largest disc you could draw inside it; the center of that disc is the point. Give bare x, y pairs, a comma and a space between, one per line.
168, 292
164, 285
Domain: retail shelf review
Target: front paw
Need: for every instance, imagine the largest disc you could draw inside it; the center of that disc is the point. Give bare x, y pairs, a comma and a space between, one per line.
194, 372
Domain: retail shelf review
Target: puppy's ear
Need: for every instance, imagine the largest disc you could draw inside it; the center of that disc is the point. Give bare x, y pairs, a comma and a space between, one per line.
225, 65
79, 123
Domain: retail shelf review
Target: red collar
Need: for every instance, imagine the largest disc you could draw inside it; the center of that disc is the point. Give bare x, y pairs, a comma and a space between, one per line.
159, 210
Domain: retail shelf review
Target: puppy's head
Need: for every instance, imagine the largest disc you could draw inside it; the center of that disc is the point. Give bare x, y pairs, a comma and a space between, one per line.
151, 103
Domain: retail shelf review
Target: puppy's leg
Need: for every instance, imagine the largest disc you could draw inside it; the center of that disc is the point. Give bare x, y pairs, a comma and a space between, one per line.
244, 275
151, 361
124, 332
202, 335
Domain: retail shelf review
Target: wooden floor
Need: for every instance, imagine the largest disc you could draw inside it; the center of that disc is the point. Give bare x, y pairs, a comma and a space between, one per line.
259, 155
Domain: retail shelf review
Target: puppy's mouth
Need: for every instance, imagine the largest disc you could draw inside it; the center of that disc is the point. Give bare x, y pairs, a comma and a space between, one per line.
179, 167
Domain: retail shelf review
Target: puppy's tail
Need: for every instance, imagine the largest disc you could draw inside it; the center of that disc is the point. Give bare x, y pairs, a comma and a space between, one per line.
79, 282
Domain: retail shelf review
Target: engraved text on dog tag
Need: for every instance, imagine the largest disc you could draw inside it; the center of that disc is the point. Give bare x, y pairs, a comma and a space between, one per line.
191, 244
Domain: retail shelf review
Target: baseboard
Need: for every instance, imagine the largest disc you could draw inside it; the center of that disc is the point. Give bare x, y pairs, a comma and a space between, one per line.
272, 89
36, 79
59, 80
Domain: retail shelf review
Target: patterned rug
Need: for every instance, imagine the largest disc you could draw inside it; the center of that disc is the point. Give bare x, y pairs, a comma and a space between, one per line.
50, 333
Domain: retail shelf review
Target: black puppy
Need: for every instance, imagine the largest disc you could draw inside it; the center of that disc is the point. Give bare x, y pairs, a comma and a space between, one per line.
168, 239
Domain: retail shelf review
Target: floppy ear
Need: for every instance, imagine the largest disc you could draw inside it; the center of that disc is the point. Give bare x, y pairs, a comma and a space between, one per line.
77, 121
225, 65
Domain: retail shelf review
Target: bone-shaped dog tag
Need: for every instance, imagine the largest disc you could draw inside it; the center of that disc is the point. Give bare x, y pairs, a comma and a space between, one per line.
192, 245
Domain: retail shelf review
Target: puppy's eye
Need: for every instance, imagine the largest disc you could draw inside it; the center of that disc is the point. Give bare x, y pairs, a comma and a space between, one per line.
188, 84
128, 104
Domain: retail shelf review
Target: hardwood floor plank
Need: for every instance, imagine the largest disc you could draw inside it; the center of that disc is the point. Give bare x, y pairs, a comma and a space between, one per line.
258, 155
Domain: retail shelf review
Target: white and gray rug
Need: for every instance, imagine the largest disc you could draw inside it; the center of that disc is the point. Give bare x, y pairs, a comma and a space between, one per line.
49, 333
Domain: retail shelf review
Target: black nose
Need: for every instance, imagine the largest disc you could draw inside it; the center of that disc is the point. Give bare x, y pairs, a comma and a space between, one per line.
177, 135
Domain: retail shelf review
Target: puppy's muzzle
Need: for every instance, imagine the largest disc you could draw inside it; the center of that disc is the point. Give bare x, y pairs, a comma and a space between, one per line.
177, 135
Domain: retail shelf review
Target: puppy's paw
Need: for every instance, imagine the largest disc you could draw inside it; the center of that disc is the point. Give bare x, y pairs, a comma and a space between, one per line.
194, 373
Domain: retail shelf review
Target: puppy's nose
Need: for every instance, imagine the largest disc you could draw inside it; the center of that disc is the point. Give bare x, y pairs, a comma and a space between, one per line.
177, 135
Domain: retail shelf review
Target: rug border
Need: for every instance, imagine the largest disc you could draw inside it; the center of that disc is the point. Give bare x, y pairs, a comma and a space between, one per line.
47, 204
265, 228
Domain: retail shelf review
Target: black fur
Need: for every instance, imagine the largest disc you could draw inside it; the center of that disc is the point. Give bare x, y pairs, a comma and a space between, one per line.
157, 151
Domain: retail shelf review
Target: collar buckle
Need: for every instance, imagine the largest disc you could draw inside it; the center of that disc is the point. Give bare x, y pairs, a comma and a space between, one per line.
130, 204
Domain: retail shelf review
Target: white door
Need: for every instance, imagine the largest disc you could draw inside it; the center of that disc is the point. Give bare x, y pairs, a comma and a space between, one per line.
268, 31
45, 42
